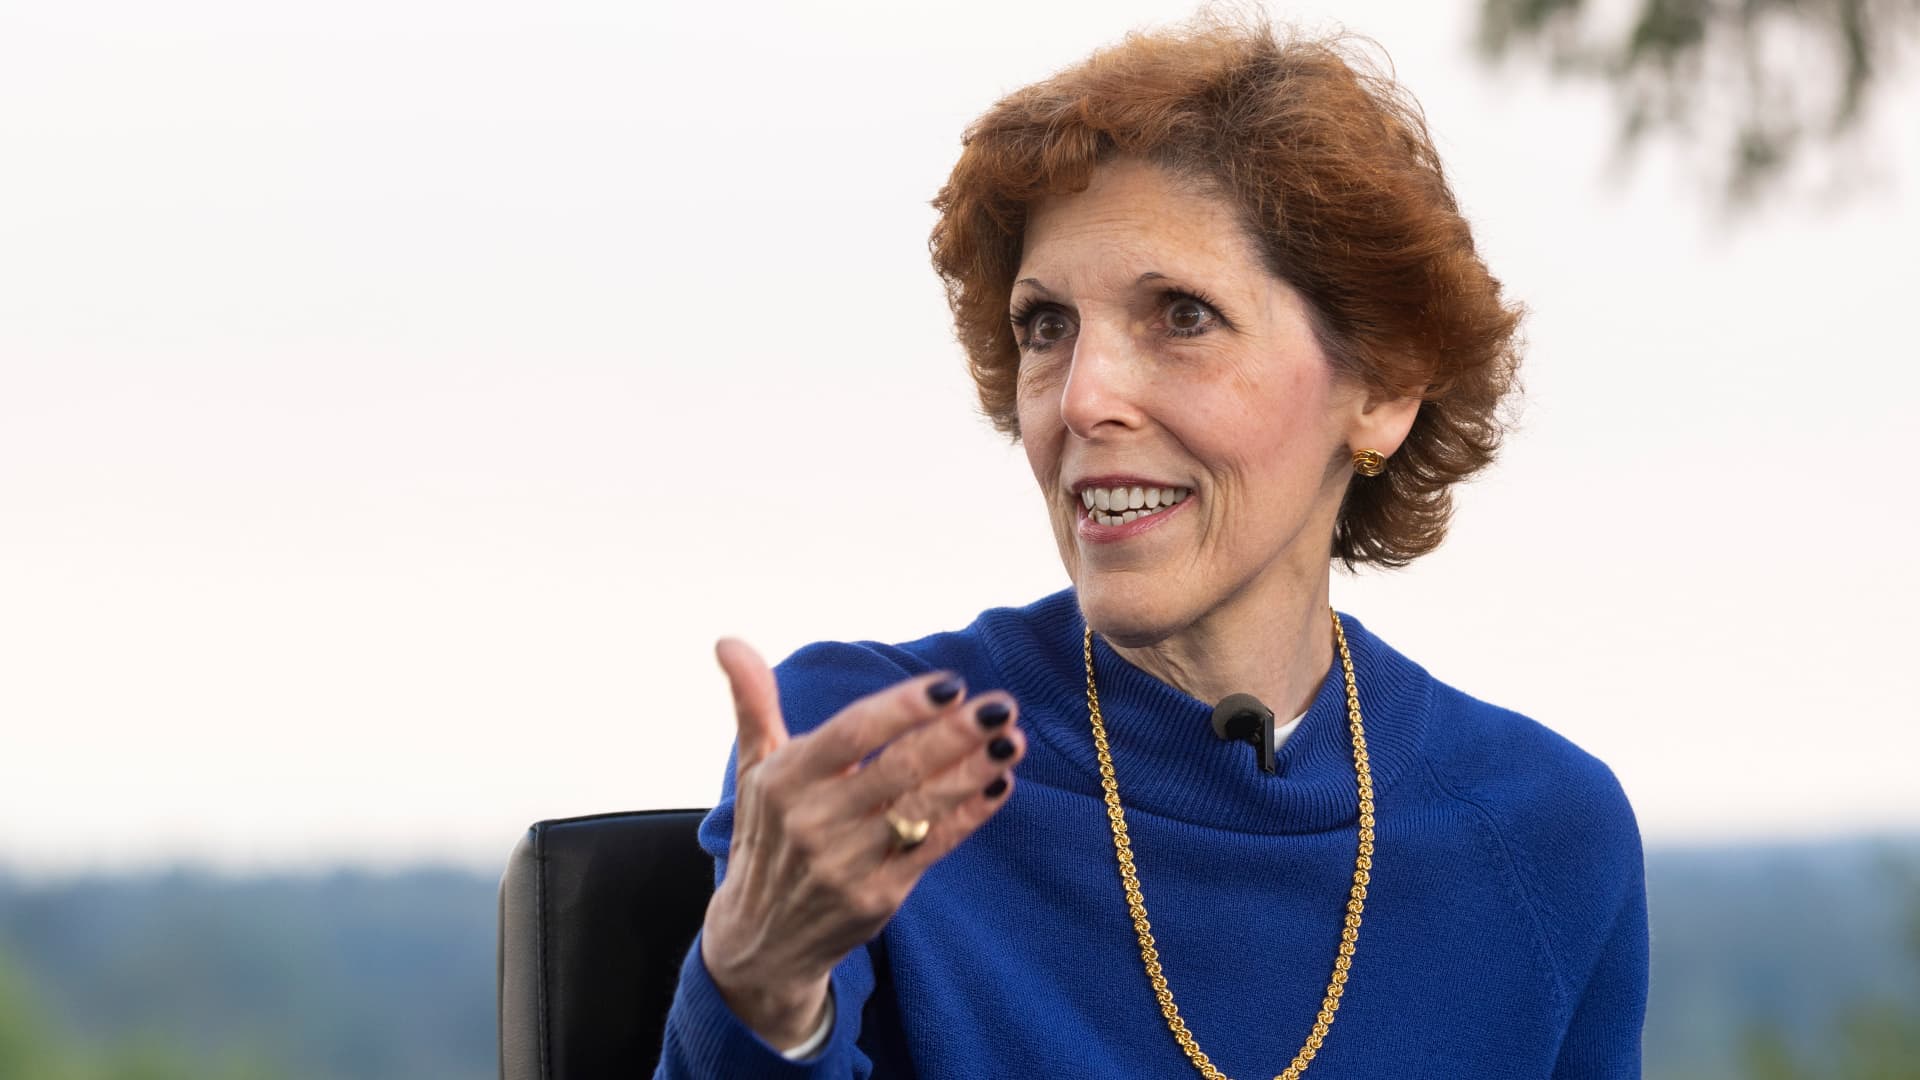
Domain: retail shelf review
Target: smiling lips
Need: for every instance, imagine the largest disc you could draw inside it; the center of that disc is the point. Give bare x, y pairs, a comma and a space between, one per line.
1124, 505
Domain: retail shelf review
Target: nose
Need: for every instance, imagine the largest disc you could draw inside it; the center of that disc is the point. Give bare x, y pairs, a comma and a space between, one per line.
1102, 394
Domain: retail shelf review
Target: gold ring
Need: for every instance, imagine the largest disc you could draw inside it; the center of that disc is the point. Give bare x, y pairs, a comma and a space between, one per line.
907, 834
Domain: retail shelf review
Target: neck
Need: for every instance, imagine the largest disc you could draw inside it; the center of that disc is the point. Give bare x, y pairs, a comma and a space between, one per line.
1278, 648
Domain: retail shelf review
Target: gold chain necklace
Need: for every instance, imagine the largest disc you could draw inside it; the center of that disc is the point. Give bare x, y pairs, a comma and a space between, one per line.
1362, 864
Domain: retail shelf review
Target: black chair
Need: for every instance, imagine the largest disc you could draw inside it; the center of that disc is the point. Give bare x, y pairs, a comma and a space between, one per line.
596, 915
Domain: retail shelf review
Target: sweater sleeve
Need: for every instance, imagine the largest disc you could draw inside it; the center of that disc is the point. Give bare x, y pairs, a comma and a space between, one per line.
704, 1040
1603, 1037
1581, 853
1573, 845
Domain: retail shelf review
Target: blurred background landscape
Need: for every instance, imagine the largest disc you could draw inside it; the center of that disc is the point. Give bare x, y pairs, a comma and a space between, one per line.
1769, 963
397, 397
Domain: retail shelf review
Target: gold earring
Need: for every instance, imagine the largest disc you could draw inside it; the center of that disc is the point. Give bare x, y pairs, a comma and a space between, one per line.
1369, 462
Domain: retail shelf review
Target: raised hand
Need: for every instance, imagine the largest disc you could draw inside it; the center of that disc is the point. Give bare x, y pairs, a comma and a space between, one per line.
816, 867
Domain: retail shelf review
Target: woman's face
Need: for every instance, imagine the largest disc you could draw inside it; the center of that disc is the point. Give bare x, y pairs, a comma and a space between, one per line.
1158, 353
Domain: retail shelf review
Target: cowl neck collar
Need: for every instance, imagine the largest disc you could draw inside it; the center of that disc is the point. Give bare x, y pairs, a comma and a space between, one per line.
1165, 755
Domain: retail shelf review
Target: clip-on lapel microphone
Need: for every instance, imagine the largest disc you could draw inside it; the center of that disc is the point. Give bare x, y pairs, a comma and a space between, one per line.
1241, 718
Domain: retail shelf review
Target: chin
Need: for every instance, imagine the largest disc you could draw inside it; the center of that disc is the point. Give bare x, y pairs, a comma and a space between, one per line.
1128, 617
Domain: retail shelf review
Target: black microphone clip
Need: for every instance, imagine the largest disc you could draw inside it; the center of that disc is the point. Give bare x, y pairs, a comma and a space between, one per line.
1241, 718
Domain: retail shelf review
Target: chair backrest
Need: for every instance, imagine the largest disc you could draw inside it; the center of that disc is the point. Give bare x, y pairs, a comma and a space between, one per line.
596, 915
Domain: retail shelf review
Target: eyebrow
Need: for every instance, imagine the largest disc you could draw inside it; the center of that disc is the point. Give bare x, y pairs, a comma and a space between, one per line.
1151, 275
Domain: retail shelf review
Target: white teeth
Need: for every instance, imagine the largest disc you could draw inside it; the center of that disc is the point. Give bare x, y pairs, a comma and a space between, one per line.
1117, 506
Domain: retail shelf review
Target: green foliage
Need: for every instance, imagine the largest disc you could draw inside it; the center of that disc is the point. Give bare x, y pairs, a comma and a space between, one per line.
149, 1059
1757, 953
1875, 1037
1765, 1055
1758, 83
336, 976
1766, 944
1874, 1041
32, 1049
25, 1050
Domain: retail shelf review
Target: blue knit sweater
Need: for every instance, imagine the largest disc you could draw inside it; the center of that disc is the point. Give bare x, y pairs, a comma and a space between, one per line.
1505, 932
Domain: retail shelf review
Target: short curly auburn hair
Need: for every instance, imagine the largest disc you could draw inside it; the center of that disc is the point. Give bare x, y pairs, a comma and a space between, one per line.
1343, 193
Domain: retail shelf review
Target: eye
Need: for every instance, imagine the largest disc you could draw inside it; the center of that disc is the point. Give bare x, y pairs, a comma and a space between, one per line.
1048, 326
1189, 315
1039, 326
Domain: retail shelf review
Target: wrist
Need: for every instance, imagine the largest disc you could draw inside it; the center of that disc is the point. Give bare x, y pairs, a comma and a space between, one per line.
821, 1033
784, 1013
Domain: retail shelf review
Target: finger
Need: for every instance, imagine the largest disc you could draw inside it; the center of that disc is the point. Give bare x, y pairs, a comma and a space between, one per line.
874, 721
926, 752
956, 804
756, 703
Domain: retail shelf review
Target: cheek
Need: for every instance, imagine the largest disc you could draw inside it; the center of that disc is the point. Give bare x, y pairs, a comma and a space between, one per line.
1270, 437
1038, 459
1038, 412
1297, 415
1040, 441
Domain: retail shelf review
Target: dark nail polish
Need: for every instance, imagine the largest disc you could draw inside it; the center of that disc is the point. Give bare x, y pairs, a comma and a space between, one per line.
993, 714
944, 691
1000, 749
996, 789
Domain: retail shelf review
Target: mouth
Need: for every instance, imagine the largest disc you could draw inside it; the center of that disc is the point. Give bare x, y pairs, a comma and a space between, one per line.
1119, 504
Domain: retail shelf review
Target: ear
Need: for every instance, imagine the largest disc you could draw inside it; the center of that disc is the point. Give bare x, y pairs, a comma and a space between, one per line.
1381, 423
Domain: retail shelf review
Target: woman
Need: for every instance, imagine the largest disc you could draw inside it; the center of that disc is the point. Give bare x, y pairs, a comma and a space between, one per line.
1216, 284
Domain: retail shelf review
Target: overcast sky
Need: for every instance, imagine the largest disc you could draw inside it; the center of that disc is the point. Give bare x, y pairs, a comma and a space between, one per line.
397, 398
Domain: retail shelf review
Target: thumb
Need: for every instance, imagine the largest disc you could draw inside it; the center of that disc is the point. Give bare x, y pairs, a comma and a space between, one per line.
756, 703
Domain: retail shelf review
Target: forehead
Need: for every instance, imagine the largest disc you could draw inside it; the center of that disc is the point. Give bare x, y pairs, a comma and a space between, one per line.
1134, 218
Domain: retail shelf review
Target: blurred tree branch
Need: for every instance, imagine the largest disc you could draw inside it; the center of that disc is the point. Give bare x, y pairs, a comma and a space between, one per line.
1757, 85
